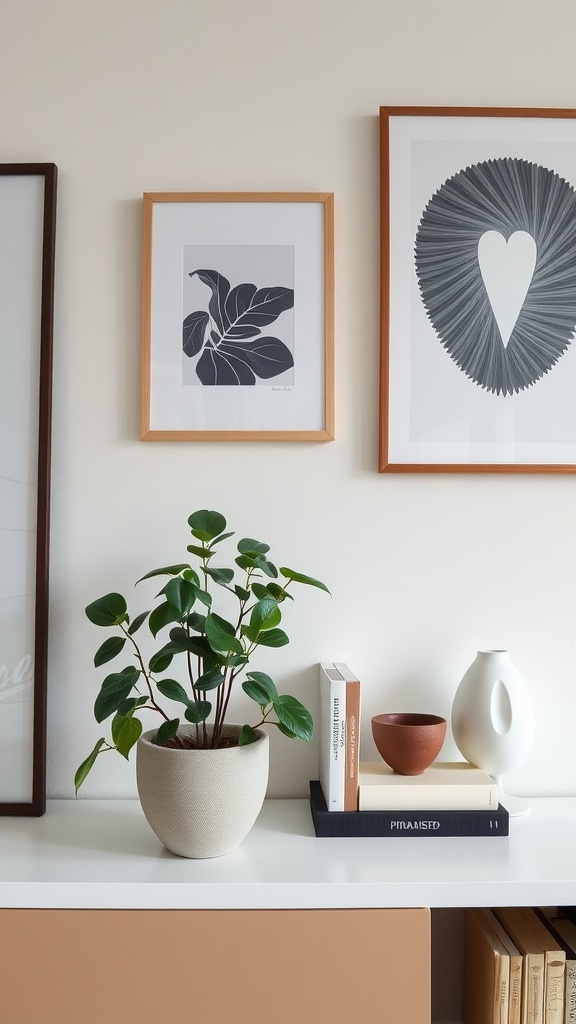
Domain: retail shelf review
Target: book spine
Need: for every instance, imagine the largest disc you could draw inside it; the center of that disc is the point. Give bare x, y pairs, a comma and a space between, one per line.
515, 990
570, 993
352, 736
333, 736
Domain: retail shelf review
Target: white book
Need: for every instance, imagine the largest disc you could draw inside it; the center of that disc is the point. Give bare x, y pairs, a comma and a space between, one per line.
332, 735
444, 786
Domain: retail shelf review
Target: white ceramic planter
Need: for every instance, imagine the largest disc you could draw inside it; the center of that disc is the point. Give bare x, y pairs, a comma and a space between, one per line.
202, 803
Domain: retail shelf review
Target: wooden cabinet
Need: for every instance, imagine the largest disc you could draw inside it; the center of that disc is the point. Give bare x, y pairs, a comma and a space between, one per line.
215, 966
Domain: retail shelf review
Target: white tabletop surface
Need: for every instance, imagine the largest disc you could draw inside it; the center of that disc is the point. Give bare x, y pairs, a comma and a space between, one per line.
102, 853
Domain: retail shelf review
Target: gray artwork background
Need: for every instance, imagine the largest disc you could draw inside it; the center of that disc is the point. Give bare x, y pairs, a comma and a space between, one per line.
446, 407
263, 265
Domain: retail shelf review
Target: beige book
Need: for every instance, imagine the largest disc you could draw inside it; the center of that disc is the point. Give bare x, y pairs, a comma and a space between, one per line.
554, 969
566, 933
492, 924
524, 937
487, 974
444, 786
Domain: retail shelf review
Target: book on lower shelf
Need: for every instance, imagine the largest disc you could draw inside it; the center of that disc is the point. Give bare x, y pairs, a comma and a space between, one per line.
522, 934
445, 785
564, 931
403, 824
339, 735
487, 971
554, 968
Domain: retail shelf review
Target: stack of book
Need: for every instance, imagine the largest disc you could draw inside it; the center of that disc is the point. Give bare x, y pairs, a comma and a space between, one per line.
355, 798
520, 966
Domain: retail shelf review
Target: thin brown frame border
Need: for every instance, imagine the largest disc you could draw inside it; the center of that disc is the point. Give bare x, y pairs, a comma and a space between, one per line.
326, 199
386, 112
49, 172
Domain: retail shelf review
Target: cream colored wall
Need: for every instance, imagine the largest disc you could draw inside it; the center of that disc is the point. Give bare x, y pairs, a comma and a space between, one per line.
127, 96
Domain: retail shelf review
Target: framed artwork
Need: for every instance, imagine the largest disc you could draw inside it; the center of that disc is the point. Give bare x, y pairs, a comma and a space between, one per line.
237, 318
27, 244
478, 308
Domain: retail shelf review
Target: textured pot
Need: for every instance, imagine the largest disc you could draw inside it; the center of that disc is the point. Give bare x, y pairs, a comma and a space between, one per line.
202, 803
493, 714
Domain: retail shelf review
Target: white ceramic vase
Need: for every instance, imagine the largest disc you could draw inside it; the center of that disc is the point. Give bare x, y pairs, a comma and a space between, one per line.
202, 803
493, 715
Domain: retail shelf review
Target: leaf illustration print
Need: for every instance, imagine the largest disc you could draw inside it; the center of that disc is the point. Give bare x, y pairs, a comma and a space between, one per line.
228, 336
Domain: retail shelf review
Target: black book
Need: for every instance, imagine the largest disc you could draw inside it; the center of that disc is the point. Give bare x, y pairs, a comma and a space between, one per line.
335, 824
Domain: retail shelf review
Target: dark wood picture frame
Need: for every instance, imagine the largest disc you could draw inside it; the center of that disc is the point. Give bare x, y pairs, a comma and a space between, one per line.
41, 259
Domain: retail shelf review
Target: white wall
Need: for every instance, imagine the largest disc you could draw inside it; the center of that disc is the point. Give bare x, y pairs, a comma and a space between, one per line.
127, 96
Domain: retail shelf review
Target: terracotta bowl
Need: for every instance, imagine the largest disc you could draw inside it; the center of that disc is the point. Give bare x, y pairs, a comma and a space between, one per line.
409, 743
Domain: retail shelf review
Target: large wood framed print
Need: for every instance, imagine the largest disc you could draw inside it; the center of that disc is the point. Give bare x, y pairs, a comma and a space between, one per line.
237, 318
27, 243
478, 230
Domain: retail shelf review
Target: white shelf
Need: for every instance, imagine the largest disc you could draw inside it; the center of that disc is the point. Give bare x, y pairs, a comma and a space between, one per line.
102, 854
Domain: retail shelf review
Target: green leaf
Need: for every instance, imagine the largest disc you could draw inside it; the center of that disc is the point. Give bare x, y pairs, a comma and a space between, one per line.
126, 730
109, 610
169, 570
181, 594
205, 598
114, 690
295, 719
220, 634
209, 680
265, 683
109, 649
167, 731
198, 711
298, 577
247, 735
196, 622
241, 594
221, 537
160, 661
273, 638
206, 525
162, 616
129, 705
203, 553
248, 546
173, 690
250, 634
137, 622
245, 562
277, 592
236, 660
86, 765
265, 614
256, 693
221, 576
192, 576
267, 568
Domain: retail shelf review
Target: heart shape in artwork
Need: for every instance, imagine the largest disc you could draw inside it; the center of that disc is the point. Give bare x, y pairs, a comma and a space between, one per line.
507, 268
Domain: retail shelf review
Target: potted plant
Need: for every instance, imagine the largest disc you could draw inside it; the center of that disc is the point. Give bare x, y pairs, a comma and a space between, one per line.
201, 780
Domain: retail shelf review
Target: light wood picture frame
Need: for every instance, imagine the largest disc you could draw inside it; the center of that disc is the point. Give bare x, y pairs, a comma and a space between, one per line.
237, 316
27, 253
478, 290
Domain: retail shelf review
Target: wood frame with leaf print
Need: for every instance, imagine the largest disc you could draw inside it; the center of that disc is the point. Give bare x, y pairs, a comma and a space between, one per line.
237, 316
27, 252
478, 290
